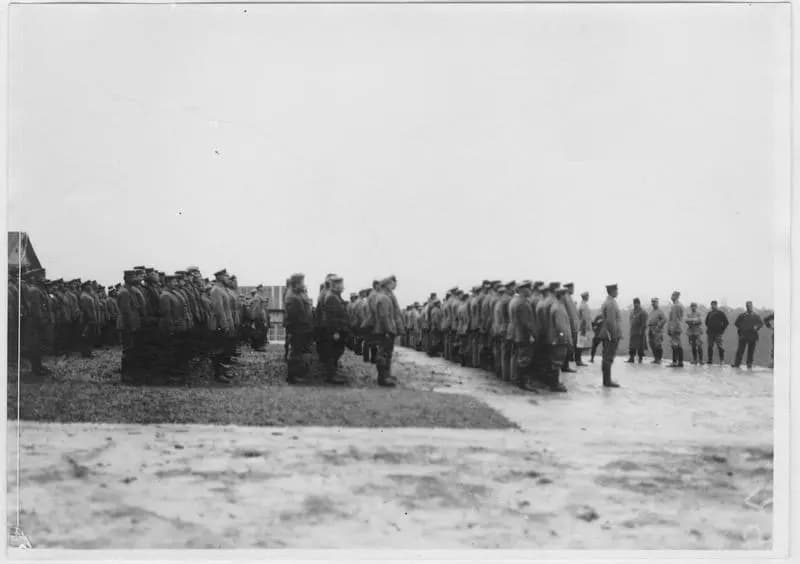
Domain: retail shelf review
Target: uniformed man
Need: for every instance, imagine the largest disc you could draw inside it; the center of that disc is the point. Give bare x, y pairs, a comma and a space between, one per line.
748, 324
675, 330
487, 320
449, 325
543, 351
385, 329
221, 304
560, 339
414, 320
335, 327
131, 311
435, 317
716, 324
113, 315
500, 327
351, 306
172, 327
35, 320
610, 332
694, 329
259, 313
656, 321
585, 331
422, 327
367, 324
572, 315
523, 326
638, 328
299, 324
462, 329
88, 320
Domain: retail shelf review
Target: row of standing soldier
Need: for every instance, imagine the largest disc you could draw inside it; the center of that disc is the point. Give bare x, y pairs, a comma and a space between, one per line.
525, 333
162, 321
368, 325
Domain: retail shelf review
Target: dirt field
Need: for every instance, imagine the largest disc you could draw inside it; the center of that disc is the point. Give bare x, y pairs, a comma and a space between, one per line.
671, 460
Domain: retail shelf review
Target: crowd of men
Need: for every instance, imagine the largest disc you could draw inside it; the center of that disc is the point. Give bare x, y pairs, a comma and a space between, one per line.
163, 321
367, 324
529, 332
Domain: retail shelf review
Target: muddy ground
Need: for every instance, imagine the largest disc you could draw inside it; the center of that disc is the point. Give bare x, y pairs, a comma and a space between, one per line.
674, 459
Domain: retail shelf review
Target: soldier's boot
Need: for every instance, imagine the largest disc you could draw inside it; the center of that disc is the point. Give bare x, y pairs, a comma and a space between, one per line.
631, 354
555, 383
680, 357
674, 363
721, 358
578, 359
607, 381
565, 365
700, 355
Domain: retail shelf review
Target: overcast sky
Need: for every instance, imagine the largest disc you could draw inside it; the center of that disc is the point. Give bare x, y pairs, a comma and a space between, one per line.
442, 143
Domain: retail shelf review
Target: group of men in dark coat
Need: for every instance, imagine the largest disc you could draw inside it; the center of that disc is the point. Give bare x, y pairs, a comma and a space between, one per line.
58, 317
368, 324
527, 332
162, 321
649, 327
169, 320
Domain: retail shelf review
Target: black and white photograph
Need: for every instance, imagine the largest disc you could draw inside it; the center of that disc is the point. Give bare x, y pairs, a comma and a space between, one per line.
399, 276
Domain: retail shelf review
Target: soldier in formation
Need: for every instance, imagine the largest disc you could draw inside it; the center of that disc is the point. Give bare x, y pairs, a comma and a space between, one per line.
526, 333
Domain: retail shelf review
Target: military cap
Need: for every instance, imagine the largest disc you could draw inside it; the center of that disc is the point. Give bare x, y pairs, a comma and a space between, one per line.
713, 301
149, 269
510, 283
335, 278
222, 272
454, 289
180, 273
353, 295
386, 281
169, 277
656, 300
693, 304
416, 304
538, 284
297, 277
584, 294
553, 286
233, 276
611, 287
393, 278
561, 291
525, 284
87, 283
476, 289
138, 267
569, 284
260, 287
432, 296
496, 283
364, 293
486, 283
501, 287
128, 273
192, 269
